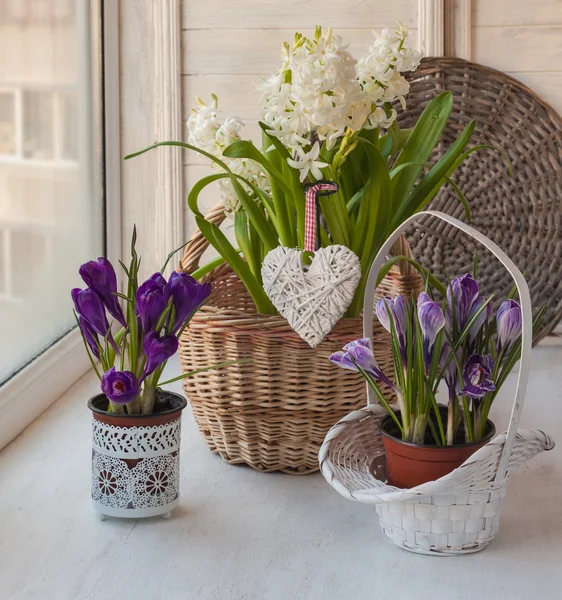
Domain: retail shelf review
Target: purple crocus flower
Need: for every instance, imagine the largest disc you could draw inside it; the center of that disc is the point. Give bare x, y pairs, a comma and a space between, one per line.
120, 387
89, 306
477, 376
463, 293
158, 350
100, 276
432, 320
152, 299
360, 354
188, 296
90, 336
509, 322
397, 307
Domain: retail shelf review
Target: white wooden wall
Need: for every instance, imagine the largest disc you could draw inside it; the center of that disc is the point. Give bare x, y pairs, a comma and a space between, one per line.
522, 38
228, 44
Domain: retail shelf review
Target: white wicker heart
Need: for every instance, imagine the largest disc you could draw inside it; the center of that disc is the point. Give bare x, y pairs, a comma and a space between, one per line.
460, 512
312, 298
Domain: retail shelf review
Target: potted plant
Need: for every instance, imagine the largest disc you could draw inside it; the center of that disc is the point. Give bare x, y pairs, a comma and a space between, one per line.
458, 340
324, 116
136, 424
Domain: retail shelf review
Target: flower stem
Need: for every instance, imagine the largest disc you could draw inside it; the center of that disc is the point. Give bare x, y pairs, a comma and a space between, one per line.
147, 399
419, 429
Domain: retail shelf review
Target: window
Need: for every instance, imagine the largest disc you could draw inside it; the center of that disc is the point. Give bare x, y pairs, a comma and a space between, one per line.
50, 192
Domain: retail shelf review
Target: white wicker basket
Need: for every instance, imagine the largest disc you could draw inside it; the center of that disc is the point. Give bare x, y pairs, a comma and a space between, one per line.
458, 513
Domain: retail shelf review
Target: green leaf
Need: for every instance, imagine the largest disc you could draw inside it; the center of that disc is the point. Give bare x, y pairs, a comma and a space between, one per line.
246, 149
434, 179
219, 241
420, 144
426, 274
181, 145
372, 220
203, 369
241, 230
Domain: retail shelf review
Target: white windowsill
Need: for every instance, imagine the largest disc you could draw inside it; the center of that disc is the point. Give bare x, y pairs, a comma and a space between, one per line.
240, 534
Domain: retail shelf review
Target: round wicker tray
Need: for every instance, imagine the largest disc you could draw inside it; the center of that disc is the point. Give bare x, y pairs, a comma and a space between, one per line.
522, 214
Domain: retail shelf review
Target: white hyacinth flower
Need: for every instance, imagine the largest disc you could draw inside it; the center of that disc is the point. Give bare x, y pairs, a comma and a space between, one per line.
308, 162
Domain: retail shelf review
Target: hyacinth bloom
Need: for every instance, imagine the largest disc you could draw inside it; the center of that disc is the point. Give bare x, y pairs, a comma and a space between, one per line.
100, 276
188, 296
477, 376
158, 350
432, 320
359, 353
509, 323
152, 298
120, 387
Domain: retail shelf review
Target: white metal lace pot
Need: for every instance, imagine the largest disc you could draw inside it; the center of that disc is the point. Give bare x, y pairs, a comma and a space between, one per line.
458, 513
136, 459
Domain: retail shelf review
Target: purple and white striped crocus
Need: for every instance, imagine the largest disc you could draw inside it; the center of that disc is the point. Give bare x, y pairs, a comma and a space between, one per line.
509, 322
359, 353
432, 320
477, 377
397, 308
462, 295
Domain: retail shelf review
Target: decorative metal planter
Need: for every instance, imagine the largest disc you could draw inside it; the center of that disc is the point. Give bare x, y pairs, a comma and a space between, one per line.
135, 460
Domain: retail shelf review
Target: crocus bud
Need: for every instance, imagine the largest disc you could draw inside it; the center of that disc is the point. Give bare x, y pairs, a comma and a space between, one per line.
158, 350
397, 309
90, 336
120, 387
152, 299
90, 307
509, 322
188, 296
462, 293
100, 276
432, 320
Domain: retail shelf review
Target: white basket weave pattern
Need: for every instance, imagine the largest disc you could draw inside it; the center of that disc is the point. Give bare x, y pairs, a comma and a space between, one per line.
460, 512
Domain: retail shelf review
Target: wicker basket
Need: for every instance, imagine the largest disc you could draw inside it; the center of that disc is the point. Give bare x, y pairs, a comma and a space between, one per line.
459, 513
523, 213
274, 413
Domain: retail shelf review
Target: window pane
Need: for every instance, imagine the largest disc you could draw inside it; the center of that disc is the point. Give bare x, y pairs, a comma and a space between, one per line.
7, 123
50, 199
38, 124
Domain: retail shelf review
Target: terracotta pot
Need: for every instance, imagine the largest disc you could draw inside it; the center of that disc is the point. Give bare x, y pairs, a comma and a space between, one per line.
409, 465
135, 458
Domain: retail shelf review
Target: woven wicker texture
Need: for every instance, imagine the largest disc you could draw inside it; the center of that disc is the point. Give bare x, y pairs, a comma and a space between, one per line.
522, 214
273, 413
456, 514
459, 512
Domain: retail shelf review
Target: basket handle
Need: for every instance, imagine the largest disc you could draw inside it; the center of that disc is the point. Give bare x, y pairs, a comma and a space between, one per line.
526, 312
198, 243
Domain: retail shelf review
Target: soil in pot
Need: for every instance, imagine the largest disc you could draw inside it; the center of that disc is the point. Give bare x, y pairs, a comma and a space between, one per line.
167, 406
409, 465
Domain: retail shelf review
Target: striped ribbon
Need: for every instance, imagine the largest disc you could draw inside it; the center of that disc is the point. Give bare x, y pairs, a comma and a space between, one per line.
320, 188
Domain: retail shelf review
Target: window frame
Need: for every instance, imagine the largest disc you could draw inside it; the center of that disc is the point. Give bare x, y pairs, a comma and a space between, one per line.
32, 389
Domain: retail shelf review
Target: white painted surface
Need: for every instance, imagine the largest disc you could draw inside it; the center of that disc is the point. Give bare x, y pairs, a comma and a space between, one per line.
240, 535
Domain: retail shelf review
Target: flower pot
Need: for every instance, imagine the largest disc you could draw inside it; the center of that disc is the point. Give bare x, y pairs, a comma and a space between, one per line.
135, 458
409, 465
